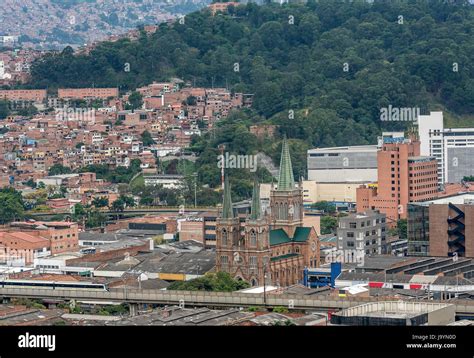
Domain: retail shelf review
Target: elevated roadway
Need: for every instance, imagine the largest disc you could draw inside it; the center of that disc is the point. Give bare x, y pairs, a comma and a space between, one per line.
464, 308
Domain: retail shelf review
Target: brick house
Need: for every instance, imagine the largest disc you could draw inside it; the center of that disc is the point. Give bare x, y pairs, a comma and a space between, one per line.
63, 235
23, 247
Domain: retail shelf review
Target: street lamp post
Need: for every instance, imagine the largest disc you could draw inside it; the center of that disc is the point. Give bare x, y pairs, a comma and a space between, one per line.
265, 285
195, 190
265, 263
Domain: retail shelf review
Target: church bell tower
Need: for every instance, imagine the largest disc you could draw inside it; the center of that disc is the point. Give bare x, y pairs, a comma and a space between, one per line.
286, 201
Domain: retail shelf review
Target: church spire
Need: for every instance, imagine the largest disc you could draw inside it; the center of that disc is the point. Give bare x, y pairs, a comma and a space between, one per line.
285, 177
227, 212
255, 210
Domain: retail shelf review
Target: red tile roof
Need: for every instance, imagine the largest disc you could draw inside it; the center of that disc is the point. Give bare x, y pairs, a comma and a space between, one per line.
26, 237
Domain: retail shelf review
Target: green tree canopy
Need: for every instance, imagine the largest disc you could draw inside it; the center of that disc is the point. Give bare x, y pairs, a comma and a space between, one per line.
147, 139
11, 205
58, 169
328, 224
324, 206
4, 110
135, 100
220, 282
100, 202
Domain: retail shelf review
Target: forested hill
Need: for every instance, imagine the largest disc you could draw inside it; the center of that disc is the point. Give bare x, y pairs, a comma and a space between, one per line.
334, 63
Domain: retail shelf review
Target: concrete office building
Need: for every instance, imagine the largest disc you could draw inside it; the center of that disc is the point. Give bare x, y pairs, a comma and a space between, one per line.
356, 164
363, 234
442, 227
453, 148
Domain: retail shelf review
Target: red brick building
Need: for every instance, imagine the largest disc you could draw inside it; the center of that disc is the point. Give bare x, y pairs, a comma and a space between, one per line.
451, 229
221, 6
20, 245
191, 230
442, 227
403, 176
85, 93
36, 95
63, 235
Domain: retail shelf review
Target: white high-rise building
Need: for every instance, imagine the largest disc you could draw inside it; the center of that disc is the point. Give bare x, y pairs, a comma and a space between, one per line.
452, 147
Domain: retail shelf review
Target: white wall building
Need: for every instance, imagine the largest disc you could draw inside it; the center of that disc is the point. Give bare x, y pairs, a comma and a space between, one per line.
168, 181
343, 164
452, 147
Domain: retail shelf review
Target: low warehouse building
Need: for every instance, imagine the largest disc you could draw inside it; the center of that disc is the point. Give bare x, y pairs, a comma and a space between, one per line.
396, 313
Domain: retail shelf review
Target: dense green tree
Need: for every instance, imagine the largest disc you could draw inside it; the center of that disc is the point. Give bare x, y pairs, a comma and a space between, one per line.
297, 64
118, 205
191, 101
402, 229
328, 224
219, 282
128, 200
100, 202
31, 183
123, 202
324, 206
147, 139
95, 218
4, 110
58, 169
78, 212
135, 100
116, 175
11, 205
28, 111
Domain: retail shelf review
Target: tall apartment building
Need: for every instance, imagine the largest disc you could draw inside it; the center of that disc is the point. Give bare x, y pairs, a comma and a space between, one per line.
362, 234
403, 176
453, 148
442, 227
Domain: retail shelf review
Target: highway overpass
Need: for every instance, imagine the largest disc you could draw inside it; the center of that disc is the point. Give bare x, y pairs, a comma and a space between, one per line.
212, 299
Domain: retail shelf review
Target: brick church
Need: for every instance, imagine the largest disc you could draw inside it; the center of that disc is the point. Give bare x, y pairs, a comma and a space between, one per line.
273, 244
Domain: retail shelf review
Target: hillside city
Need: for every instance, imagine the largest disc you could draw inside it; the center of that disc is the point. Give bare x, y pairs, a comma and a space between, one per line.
252, 197
80, 22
